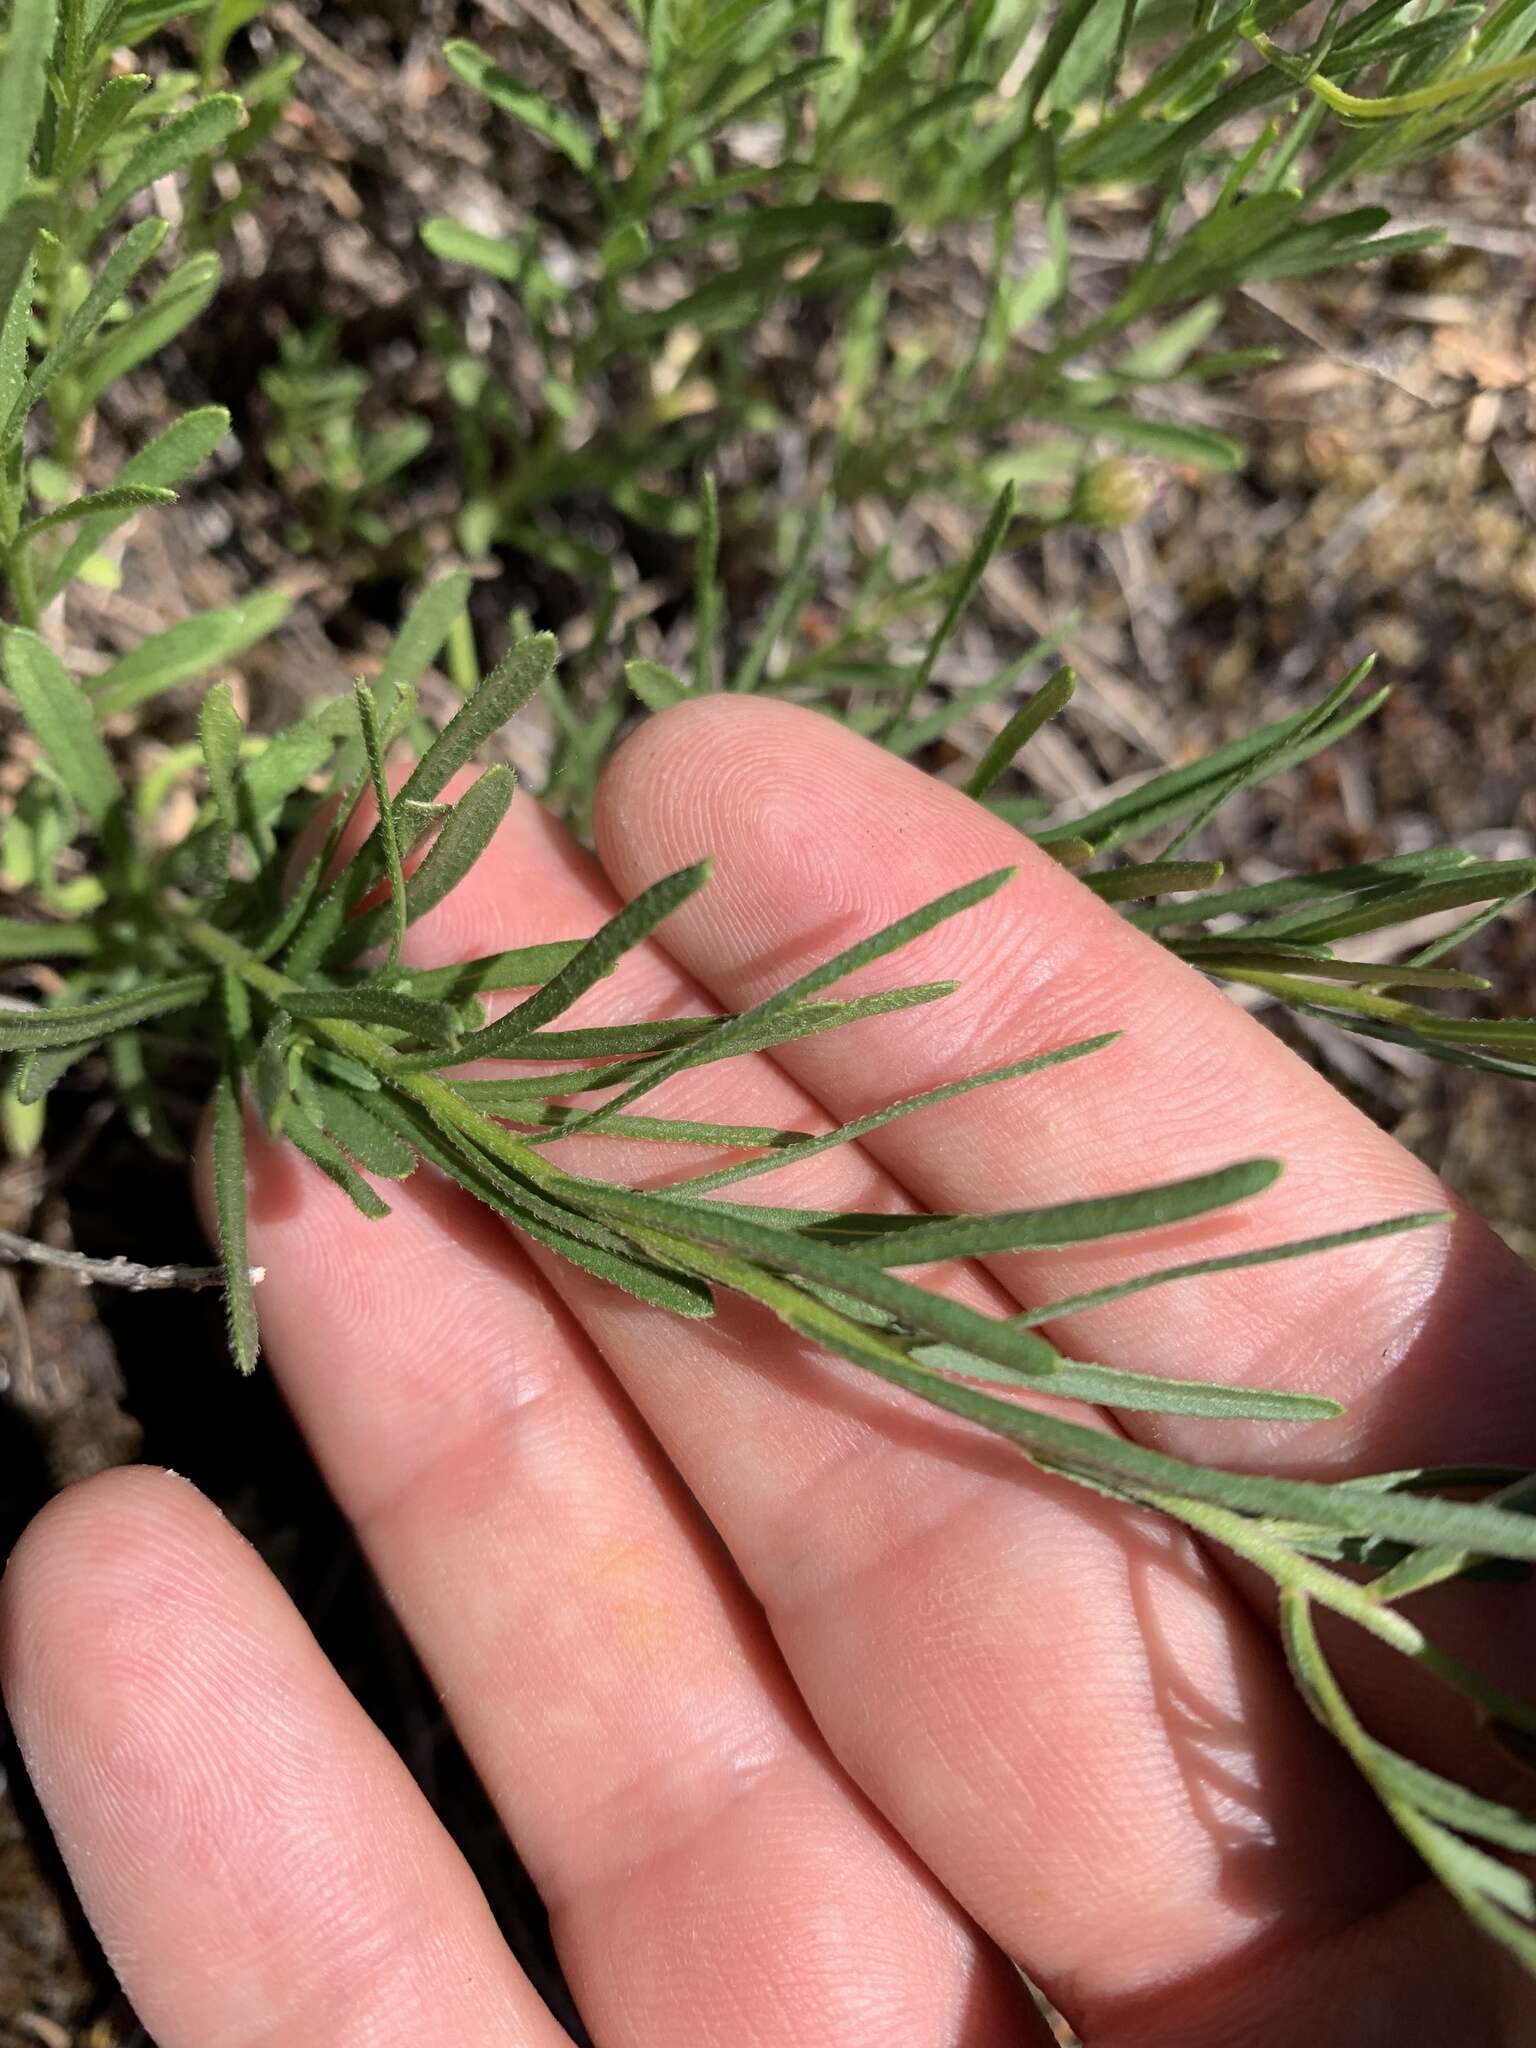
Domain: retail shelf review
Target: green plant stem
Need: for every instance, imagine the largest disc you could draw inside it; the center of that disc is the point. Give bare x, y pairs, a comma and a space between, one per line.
436, 1096
269, 982
1302, 1576
18, 572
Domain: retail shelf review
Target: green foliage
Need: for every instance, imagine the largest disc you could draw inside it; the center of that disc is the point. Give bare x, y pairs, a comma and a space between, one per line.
794, 166
334, 466
286, 986
795, 161
82, 304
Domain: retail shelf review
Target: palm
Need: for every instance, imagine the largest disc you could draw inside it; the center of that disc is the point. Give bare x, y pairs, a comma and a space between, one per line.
932, 1711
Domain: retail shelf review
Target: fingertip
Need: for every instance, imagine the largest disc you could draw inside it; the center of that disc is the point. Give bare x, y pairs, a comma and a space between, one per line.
108, 1569
794, 804
655, 766
249, 1850
98, 1522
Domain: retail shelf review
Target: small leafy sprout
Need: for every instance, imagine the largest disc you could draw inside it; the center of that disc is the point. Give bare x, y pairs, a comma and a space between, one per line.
336, 468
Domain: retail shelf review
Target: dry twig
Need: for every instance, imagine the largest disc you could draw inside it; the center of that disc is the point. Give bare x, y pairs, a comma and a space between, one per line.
17, 1250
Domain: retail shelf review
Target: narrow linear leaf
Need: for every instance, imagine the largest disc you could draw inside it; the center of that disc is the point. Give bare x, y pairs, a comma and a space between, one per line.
920, 1240
1431, 1567
272, 1073
434, 1023
1476, 1878
23, 89
706, 586
1468, 929
423, 632
543, 116
1231, 1262
1140, 879
1234, 961
24, 941
1148, 1393
230, 1209
292, 756
455, 242
525, 1100
504, 692
1494, 1895
170, 309
912, 735
116, 274
466, 832
117, 498
273, 937
322, 1150
788, 598
1178, 792
1199, 447
169, 148
1332, 884
730, 1034
656, 687
220, 733
165, 462
389, 839
1513, 1036
1320, 726
331, 905
521, 967
188, 649
106, 113
1021, 728
657, 1129
860, 1127
19, 230
1457, 1806
1397, 903
37, 1074
235, 1003
597, 958
804, 1021
143, 1104
966, 586
63, 722
654, 1285
1064, 31
75, 1023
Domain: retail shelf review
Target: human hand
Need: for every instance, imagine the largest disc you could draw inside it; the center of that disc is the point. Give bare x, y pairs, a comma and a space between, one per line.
925, 1710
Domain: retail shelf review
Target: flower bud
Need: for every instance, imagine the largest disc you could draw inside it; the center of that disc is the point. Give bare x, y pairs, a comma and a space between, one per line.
1112, 493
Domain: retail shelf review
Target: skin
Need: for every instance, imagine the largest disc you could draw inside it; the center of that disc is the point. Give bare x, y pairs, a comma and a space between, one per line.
807, 1709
